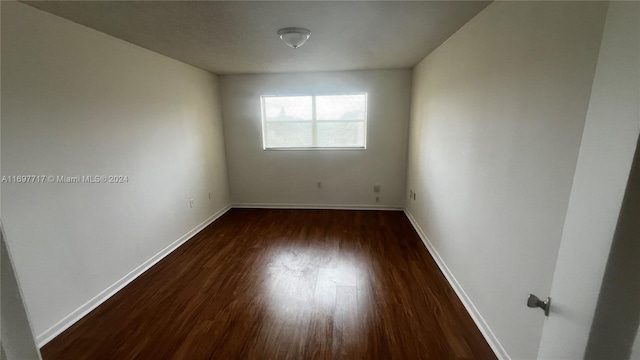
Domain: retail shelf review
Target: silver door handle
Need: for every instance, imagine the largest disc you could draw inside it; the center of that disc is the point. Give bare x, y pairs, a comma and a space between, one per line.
534, 302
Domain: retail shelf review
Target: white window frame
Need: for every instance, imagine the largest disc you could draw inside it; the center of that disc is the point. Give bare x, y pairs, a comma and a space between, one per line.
314, 122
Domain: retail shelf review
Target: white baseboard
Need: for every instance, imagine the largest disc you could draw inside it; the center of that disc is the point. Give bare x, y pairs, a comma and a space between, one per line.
87, 307
315, 206
482, 325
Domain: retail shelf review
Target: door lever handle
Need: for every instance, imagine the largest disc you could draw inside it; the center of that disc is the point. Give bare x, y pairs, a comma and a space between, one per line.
534, 302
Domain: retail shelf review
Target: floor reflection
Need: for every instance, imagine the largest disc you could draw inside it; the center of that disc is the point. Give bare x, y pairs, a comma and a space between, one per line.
319, 288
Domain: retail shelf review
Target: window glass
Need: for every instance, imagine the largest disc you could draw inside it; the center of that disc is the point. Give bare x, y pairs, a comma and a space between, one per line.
314, 121
340, 107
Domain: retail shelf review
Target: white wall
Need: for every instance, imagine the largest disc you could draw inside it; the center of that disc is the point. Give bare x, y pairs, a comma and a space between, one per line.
77, 102
497, 117
289, 177
606, 154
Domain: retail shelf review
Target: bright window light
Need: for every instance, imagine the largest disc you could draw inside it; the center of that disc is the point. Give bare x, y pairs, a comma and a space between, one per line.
314, 121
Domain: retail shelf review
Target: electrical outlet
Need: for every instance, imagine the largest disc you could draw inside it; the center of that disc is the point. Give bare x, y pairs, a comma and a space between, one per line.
376, 188
377, 198
414, 196
319, 185
210, 195
190, 203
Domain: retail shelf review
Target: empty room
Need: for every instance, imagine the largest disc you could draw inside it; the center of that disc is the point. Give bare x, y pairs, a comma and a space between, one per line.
320, 180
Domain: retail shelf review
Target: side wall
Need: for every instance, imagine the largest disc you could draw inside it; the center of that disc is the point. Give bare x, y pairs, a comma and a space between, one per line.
347, 176
496, 122
78, 102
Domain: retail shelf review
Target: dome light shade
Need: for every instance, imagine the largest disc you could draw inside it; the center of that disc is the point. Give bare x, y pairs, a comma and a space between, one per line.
294, 36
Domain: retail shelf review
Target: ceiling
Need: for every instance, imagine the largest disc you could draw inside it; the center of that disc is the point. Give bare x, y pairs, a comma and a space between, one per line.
234, 37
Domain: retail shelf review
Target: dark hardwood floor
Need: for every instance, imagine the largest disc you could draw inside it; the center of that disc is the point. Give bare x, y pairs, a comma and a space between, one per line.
285, 284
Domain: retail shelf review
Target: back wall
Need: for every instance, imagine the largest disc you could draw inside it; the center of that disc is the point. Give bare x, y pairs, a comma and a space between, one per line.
290, 177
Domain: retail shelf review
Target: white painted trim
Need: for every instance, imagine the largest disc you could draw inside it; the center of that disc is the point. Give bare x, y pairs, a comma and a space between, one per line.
491, 338
87, 307
3, 239
315, 206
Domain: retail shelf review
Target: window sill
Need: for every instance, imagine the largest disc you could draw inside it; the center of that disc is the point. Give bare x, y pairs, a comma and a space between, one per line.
313, 148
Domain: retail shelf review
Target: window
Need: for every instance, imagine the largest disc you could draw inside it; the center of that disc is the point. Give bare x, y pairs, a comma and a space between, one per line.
314, 121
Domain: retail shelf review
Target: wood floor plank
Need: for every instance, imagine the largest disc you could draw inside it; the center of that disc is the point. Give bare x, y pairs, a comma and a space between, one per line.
284, 284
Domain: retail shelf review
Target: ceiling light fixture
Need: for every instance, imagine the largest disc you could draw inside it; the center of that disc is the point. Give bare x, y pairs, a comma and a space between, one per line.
294, 36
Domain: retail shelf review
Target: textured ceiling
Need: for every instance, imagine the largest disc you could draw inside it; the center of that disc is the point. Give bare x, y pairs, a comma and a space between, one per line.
231, 37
